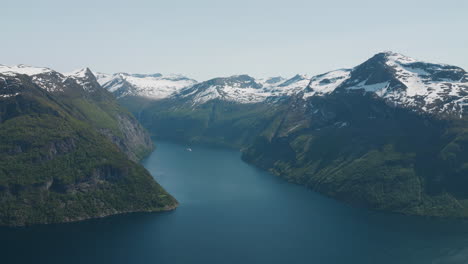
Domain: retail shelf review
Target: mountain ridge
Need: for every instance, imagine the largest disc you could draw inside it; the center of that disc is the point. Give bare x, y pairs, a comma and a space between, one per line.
398, 79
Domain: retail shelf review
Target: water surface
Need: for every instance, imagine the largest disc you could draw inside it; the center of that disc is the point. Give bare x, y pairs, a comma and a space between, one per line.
231, 212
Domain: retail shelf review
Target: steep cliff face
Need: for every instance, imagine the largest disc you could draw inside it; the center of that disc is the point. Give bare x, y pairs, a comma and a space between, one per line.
134, 141
58, 162
113, 121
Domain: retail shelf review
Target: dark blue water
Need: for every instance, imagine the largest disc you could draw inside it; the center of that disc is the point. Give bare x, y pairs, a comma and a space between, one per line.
231, 212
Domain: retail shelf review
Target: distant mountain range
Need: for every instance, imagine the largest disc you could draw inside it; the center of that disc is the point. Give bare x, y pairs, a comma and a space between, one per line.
154, 86
400, 80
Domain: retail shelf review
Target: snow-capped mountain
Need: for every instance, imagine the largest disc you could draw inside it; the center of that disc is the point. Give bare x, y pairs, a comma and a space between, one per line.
23, 69
53, 81
410, 83
238, 88
45, 78
244, 89
154, 86
398, 79
85, 78
292, 86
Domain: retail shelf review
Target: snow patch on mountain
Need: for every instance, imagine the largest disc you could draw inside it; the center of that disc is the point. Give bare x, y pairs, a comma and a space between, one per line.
378, 88
291, 86
232, 93
81, 73
83, 77
326, 83
8, 95
103, 78
421, 79
428, 87
24, 69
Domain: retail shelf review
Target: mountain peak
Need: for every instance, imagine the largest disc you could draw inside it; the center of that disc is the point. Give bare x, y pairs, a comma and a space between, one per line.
411, 83
389, 53
386, 56
85, 77
81, 73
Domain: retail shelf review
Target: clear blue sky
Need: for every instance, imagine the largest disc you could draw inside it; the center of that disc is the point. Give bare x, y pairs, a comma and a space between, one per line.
209, 38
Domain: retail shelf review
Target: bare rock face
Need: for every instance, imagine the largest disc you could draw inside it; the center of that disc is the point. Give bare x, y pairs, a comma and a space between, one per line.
125, 131
135, 142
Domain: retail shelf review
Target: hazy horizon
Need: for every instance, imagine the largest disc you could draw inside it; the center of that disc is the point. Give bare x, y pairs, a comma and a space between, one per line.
209, 38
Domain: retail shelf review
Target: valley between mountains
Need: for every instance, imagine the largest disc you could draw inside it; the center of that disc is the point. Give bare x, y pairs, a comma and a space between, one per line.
390, 134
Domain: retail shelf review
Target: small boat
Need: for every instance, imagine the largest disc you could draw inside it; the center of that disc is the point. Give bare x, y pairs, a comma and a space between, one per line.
189, 149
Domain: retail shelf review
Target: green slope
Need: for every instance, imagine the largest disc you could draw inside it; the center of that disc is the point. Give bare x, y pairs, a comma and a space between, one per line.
384, 158
56, 165
216, 122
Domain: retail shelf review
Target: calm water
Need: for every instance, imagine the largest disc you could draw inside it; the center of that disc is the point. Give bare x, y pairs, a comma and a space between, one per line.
232, 212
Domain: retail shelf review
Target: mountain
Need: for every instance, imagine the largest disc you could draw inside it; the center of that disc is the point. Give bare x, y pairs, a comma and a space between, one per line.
239, 88
389, 134
69, 151
421, 86
155, 86
242, 89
